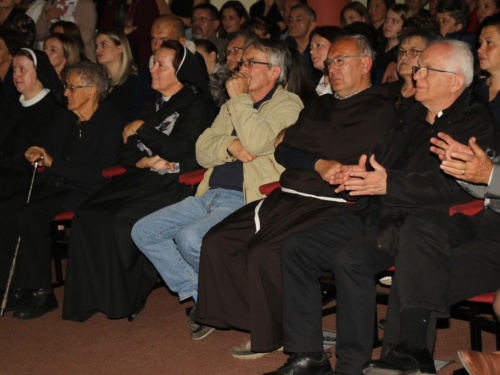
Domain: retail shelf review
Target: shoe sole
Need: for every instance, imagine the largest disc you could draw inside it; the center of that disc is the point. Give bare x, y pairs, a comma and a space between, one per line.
208, 333
253, 355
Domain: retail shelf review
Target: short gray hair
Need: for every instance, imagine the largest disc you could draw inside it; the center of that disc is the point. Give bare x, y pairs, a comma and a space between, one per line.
278, 53
364, 47
461, 57
309, 11
92, 74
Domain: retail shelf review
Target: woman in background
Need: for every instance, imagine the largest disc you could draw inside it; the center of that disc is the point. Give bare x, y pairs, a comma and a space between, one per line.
234, 17
354, 12
377, 9
114, 53
70, 29
62, 52
486, 8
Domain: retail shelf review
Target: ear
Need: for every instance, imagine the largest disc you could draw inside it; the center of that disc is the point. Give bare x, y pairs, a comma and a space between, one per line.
459, 27
366, 65
213, 56
458, 82
182, 40
242, 21
216, 24
120, 48
275, 72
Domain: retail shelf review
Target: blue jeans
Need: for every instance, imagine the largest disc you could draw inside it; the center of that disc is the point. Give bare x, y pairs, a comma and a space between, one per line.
171, 237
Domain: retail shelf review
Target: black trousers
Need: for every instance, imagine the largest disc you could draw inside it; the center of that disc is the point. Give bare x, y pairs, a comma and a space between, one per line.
443, 260
348, 248
31, 222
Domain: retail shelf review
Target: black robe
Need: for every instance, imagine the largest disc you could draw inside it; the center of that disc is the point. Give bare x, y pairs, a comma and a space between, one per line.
247, 292
106, 272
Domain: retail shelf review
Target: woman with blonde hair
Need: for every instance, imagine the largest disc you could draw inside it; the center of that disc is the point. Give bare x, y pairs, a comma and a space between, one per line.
62, 52
113, 52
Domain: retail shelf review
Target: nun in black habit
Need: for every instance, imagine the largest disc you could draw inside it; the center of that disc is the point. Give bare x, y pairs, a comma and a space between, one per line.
27, 118
106, 272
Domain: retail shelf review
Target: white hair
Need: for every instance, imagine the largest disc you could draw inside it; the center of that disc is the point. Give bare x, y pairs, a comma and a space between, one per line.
462, 59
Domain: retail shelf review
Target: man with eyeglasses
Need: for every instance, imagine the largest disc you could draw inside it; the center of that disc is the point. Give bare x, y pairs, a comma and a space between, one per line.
244, 249
398, 178
205, 23
238, 151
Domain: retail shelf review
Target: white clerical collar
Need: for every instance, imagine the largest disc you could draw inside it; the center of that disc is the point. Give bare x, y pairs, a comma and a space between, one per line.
165, 98
337, 96
28, 103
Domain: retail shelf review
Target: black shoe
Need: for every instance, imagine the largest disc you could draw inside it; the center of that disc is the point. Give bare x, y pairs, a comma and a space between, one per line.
299, 365
138, 309
18, 300
402, 358
41, 301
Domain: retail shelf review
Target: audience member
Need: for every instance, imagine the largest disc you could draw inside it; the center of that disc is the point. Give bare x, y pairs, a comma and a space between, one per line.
73, 157
354, 12
489, 62
453, 16
377, 9
301, 23
106, 271
205, 23
209, 52
114, 53
472, 21
184, 9
234, 17
321, 40
81, 12
244, 249
12, 17
10, 43
486, 8
298, 81
400, 179
62, 52
265, 29
238, 150
70, 29
267, 10
26, 120
432, 7
387, 49
411, 44
416, 6
285, 8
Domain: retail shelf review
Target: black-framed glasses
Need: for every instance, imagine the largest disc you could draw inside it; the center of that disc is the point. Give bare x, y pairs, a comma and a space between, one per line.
410, 53
233, 51
200, 20
72, 88
249, 64
339, 60
424, 71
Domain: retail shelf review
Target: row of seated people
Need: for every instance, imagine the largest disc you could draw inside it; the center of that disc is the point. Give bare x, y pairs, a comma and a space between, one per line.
266, 250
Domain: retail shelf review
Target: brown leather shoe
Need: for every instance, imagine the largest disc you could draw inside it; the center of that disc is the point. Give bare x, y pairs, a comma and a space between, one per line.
477, 363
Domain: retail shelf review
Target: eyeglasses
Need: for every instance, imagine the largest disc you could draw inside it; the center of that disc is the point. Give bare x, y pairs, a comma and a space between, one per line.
72, 88
339, 60
200, 20
410, 53
233, 51
424, 71
249, 64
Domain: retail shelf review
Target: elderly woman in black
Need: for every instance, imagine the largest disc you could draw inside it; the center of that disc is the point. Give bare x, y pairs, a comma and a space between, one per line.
84, 141
106, 272
26, 117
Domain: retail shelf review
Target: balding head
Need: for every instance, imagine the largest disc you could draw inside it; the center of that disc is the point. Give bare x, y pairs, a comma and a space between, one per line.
167, 27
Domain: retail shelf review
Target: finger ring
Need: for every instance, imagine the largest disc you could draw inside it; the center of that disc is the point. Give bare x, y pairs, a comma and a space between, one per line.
463, 172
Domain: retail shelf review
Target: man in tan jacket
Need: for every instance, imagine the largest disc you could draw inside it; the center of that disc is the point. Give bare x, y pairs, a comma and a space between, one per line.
238, 151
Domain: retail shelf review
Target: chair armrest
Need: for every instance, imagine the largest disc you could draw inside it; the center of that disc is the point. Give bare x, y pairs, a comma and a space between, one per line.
65, 216
267, 189
192, 178
470, 208
113, 171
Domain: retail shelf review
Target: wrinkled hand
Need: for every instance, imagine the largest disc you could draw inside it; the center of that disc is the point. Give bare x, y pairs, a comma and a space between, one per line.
128, 29
237, 84
35, 153
131, 129
342, 173
444, 146
368, 183
279, 138
239, 152
154, 162
475, 168
326, 168
53, 13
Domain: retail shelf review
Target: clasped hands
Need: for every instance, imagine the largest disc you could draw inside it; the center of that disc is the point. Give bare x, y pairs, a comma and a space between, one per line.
155, 162
355, 178
38, 154
465, 162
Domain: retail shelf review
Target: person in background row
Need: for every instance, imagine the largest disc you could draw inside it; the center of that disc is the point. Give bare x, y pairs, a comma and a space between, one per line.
83, 142
80, 12
62, 52
267, 10
472, 21
321, 39
205, 23
70, 29
263, 28
354, 12
299, 82
12, 17
486, 8
10, 43
377, 9
416, 6
234, 17
27, 119
184, 9
209, 52
113, 52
